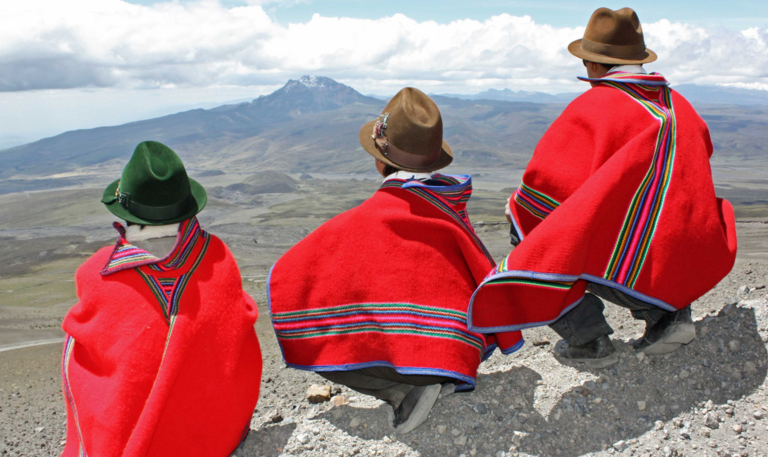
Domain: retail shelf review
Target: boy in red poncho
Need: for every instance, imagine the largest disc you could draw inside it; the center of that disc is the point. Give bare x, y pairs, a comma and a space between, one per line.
617, 203
376, 298
161, 357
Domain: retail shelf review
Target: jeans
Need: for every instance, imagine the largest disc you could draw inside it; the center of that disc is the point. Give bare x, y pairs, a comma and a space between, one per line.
586, 322
383, 383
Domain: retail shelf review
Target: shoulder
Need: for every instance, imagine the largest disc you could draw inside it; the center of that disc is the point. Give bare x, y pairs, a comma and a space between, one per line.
679, 100
585, 116
218, 262
683, 107
217, 252
368, 209
94, 264
604, 109
595, 101
348, 224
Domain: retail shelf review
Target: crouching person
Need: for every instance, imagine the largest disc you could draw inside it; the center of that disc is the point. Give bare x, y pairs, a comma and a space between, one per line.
617, 204
376, 298
161, 357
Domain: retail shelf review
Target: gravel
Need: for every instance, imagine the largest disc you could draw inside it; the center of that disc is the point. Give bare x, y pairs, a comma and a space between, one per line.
709, 398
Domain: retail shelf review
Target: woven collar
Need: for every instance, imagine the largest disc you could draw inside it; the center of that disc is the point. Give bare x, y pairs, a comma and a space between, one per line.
126, 256
650, 79
454, 189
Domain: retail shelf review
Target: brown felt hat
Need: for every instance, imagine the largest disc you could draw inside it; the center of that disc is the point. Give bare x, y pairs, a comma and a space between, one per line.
613, 37
409, 134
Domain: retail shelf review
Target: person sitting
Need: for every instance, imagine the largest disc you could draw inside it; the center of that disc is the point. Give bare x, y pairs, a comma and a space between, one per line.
376, 298
160, 357
617, 204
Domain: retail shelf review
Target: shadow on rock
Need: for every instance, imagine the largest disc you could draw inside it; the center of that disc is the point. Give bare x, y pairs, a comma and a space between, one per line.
726, 361
268, 441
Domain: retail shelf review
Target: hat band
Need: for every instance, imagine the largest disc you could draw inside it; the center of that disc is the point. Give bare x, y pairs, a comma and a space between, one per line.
398, 156
406, 159
618, 51
160, 213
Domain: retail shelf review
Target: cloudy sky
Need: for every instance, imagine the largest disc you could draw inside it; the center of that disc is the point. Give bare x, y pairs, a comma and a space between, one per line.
67, 64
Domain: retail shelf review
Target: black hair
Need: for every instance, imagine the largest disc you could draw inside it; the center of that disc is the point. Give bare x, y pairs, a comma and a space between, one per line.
607, 66
389, 169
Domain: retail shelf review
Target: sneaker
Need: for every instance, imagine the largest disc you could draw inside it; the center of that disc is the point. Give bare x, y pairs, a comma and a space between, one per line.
415, 407
672, 331
598, 353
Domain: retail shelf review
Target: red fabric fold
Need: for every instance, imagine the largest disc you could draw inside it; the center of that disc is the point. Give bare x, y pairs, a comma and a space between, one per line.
619, 192
385, 284
161, 360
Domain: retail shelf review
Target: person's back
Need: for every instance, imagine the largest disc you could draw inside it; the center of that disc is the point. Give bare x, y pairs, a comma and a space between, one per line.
618, 204
161, 357
371, 283
376, 298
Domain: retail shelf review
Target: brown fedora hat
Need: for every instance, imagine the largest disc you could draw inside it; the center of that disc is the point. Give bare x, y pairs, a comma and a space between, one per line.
613, 37
409, 134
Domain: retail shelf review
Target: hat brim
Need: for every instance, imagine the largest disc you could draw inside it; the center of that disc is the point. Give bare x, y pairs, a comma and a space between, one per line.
575, 49
446, 154
198, 193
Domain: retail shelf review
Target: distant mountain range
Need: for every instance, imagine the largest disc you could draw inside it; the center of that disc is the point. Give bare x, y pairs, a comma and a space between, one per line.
311, 125
509, 95
698, 95
197, 131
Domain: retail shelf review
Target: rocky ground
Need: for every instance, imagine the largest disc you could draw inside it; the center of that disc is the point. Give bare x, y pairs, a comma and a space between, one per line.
709, 398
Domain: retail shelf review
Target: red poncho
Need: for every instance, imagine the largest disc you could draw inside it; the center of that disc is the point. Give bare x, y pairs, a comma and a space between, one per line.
619, 192
386, 284
161, 357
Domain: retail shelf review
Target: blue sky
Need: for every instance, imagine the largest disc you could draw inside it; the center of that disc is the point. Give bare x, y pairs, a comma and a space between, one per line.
729, 14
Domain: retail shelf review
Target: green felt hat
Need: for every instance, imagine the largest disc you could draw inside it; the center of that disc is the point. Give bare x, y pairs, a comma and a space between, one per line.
154, 188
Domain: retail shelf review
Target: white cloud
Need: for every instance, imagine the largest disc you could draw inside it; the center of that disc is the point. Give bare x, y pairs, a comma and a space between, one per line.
54, 44
750, 86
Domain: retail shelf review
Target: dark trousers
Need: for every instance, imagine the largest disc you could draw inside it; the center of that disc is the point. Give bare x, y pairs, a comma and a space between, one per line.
586, 322
383, 383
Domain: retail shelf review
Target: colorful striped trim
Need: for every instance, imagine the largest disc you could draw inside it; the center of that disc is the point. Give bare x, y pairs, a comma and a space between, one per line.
532, 282
179, 290
69, 345
126, 256
390, 318
640, 223
537, 203
521, 327
469, 381
377, 327
449, 198
295, 316
551, 278
190, 231
168, 291
164, 290
650, 80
